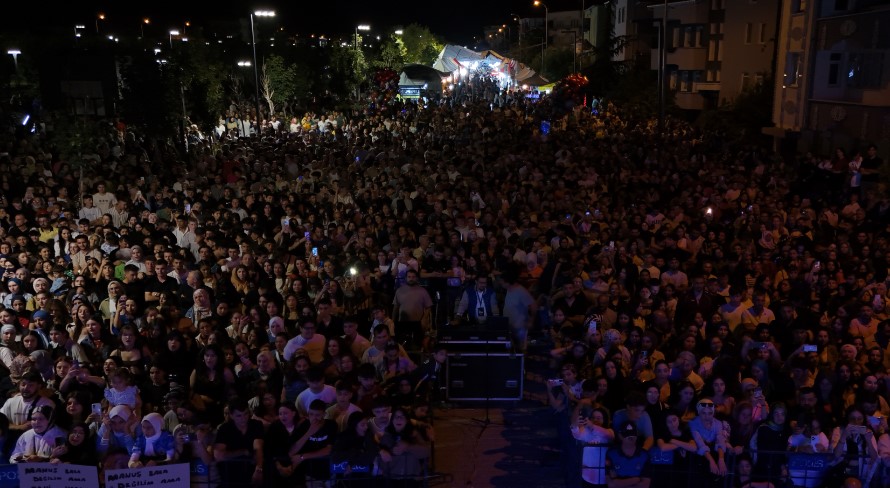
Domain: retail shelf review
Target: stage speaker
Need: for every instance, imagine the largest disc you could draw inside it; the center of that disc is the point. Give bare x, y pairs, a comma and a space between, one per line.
475, 376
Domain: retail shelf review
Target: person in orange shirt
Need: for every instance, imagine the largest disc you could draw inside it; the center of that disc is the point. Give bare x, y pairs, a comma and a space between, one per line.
865, 325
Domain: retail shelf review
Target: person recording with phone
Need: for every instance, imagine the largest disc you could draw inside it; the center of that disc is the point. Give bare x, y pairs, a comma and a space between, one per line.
854, 443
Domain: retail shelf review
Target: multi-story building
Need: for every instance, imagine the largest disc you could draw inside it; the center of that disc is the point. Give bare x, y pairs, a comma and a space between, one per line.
715, 49
833, 85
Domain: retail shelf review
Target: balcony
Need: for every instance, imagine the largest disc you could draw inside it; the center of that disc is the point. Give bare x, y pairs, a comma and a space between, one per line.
684, 58
706, 86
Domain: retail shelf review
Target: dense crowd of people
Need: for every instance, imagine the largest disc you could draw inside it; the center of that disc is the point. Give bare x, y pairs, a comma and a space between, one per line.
264, 308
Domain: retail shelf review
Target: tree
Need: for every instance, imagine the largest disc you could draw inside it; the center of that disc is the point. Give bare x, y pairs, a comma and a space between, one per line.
421, 45
348, 67
392, 54
279, 82
557, 62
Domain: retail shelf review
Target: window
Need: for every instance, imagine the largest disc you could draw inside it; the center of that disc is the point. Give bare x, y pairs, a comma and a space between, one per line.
834, 69
749, 32
692, 35
864, 70
792, 69
761, 38
714, 53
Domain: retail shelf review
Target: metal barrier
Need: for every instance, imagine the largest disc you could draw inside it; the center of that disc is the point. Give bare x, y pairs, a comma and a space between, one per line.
781, 468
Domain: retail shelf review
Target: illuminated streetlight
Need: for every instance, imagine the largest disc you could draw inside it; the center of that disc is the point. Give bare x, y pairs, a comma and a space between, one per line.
15, 56
145, 21
539, 3
244, 64
256, 73
363, 28
173, 32
100, 16
399, 32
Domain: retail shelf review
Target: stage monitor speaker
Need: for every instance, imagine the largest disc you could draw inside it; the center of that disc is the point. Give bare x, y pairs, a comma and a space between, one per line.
475, 376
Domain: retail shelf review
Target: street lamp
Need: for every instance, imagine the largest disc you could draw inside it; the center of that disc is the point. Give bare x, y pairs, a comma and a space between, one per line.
518, 34
399, 32
244, 64
363, 28
145, 22
99, 17
539, 3
173, 32
15, 57
256, 74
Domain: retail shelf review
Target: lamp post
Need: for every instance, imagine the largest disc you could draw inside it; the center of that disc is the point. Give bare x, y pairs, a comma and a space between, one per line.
99, 17
363, 28
145, 22
256, 73
539, 3
15, 57
662, 64
173, 32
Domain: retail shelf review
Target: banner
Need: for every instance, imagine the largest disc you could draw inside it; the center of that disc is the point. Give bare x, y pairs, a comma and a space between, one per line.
9, 476
169, 476
46, 475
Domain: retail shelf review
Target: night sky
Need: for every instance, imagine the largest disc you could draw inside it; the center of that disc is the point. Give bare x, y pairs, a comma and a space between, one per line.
455, 20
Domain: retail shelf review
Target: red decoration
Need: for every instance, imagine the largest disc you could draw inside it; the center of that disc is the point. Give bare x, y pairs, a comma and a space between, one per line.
571, 88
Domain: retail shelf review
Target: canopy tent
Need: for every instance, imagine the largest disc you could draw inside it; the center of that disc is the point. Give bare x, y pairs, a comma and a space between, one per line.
420, 75
534, 80
460, 60
453, 57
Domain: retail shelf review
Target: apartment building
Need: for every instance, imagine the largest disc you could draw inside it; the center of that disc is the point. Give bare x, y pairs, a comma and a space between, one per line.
833, 85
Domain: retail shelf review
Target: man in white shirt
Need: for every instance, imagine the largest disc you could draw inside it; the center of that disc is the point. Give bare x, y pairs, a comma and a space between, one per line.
317, 390
88, 211
104, 201
18, 408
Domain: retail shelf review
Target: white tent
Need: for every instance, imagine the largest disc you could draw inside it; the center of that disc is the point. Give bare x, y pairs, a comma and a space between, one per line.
454, 58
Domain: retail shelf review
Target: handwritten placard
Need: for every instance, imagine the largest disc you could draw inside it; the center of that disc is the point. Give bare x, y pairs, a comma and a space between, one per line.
169, 476
46, 475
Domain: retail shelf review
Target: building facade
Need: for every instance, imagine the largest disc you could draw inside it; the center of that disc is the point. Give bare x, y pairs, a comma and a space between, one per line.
833, 88
715, 49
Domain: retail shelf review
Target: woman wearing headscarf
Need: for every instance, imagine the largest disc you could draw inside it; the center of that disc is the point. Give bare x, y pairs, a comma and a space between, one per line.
9, 348
769, 444
153, 445
43, 363
36, 444
116, 431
